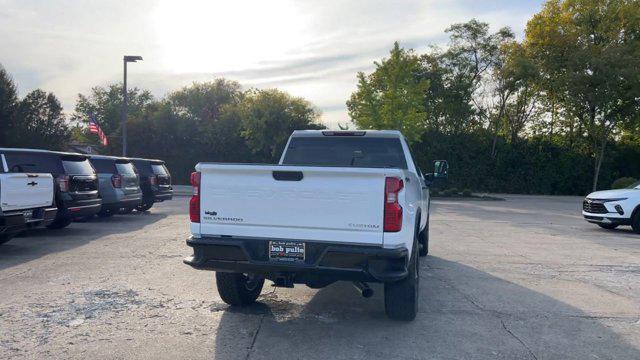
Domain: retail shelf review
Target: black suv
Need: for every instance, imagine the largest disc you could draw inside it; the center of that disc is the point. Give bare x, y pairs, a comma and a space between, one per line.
76, 183
155, 182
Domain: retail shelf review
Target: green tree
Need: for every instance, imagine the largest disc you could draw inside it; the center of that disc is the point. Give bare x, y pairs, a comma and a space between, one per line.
39, 122
270, 116
588, 52
392, 97
447, 99
516, 90
8, 104
105, 103
473, 54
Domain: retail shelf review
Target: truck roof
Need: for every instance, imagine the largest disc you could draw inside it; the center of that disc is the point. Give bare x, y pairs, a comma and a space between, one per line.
366, 133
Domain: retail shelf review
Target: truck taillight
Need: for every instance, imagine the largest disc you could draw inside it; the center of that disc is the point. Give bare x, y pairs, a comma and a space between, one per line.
116, 180
153, 180
392, 209
63, 182
194, 203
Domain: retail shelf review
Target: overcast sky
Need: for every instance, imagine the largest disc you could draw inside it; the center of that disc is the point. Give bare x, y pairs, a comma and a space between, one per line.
310, 48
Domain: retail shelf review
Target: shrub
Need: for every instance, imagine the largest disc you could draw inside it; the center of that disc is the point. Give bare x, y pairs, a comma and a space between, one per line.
466, 192
623, 182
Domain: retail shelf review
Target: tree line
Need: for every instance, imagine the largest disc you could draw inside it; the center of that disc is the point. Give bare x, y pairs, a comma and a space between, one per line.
555, 113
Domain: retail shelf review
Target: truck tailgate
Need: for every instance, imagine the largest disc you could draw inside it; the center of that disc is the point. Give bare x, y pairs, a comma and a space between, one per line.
25, 191
290, 202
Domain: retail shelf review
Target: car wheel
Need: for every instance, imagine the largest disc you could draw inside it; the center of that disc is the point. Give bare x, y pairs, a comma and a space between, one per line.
5, 237
401, 297
60, 223
608, 226
144, 206
635, 221
238, 289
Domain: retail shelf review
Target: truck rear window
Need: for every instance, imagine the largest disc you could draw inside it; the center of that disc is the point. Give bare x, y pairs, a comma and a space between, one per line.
75, 167
349, 151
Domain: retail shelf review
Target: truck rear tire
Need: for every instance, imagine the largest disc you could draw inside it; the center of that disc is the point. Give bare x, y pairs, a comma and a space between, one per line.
238, 289
401, 297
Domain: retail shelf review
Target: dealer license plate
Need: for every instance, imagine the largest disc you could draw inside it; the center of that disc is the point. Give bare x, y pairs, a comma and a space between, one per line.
28, 215
286, 251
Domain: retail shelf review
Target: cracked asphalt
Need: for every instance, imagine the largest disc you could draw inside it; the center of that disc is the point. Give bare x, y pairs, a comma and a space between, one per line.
524, 278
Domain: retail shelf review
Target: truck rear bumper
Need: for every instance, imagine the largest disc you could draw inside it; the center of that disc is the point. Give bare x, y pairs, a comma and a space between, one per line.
16, 222
324, 262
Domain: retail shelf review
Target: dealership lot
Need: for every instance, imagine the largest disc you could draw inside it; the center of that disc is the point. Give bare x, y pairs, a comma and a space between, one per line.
524, 278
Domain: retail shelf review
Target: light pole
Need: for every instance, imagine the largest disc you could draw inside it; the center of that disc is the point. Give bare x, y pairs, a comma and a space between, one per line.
126, 59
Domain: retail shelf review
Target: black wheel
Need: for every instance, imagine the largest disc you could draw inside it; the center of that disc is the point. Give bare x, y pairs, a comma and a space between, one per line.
238, 289
128, 210
401, 297
608, 226
424, 240
144, 206
635, 221
5, 237
60, 223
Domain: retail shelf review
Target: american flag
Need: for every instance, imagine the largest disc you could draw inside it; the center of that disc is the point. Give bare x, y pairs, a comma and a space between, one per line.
94, 128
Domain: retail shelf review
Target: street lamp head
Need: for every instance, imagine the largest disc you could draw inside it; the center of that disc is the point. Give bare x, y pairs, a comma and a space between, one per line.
132, 58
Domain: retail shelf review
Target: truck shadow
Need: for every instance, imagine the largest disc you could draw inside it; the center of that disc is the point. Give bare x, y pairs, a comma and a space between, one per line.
42, 241
464, 314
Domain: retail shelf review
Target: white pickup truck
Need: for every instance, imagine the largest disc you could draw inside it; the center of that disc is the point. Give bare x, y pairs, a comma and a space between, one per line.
340, 205
26, 200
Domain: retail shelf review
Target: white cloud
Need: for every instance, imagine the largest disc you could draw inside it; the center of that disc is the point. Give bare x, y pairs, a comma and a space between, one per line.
310, 48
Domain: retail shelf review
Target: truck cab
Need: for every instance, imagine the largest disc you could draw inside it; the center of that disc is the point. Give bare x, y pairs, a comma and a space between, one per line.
339, 206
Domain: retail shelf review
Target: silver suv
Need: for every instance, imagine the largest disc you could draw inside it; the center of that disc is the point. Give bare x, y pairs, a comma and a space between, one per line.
119, 184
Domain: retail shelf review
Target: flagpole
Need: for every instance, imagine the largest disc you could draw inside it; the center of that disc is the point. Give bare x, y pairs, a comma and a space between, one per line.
124, 111
126, 59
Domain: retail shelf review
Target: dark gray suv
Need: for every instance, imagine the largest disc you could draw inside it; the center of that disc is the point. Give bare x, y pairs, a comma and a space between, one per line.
119, 184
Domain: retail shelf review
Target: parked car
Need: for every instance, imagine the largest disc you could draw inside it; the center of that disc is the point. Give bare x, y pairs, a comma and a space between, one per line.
119, 186
612, 208
76, 183
155, 182
26, 200
340, 205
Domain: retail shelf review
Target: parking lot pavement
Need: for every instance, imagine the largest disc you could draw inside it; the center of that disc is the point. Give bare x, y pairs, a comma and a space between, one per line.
524, 278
